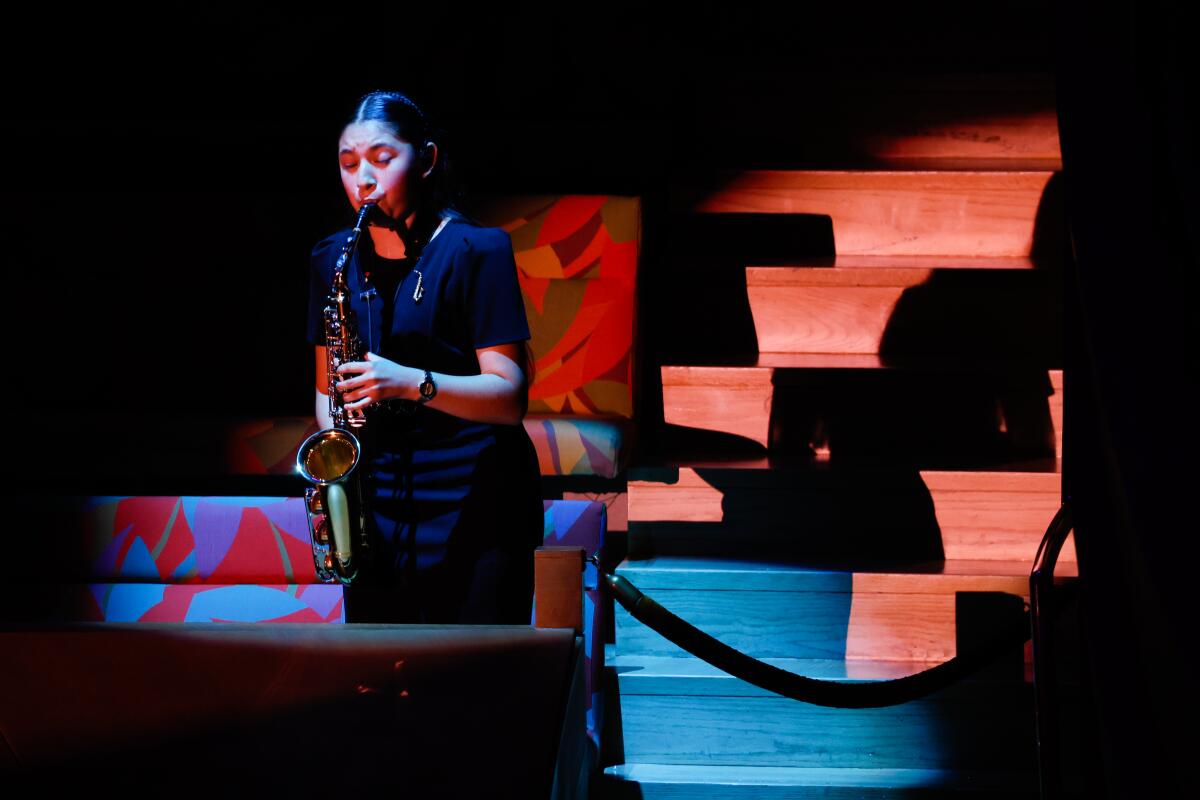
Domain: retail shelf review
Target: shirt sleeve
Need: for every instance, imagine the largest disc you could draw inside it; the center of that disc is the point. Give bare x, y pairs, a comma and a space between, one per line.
318, 292
495, 310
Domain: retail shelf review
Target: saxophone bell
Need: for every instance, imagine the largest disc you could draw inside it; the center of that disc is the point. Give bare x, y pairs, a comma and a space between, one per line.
335, 507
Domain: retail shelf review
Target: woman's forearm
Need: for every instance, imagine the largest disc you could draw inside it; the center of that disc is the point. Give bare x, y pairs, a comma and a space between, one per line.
321, 411
496, 395
479, 398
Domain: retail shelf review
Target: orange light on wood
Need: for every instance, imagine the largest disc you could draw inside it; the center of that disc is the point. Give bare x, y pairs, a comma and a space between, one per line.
558, 587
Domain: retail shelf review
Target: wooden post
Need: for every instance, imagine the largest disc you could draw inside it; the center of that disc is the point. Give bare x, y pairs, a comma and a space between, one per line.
558, 587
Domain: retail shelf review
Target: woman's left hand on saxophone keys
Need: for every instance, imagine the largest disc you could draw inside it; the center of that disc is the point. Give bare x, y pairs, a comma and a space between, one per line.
375, 380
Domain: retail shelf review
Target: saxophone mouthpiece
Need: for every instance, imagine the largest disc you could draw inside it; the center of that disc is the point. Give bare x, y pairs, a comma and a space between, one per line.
364, 211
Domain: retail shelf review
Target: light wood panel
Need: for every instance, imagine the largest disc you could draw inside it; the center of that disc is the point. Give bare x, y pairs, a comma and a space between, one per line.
896, 213
739, 399
986, 515
846, 309
734, 400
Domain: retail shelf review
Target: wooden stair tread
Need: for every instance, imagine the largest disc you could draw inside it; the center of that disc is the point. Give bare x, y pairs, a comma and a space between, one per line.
825, 669
770, 361
845, 275
976, 515
906, 309
928, 577
901, 212
945, 412
718, 778
1014, 476
687, 676
866, 261
921, 612
868, 178
715, 730
662, 467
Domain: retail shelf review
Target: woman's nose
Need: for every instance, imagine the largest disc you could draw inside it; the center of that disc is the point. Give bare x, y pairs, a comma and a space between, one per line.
366, 180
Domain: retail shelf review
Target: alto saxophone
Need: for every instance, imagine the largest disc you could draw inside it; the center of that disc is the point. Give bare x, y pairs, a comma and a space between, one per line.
336, 505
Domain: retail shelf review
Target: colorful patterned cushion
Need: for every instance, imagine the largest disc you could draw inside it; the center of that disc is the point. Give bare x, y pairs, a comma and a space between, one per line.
579, 445
222, 540
157, 602
577, 264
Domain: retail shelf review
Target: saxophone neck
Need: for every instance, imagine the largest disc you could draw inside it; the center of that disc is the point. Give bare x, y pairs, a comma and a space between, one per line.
360, 222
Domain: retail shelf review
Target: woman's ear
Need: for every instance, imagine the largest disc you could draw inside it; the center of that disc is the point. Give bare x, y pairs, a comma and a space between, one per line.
429, 154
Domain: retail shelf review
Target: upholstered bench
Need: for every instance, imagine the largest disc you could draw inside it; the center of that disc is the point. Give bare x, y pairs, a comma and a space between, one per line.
232, 560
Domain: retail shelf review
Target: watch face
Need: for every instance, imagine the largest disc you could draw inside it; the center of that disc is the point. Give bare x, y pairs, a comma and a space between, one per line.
427, 388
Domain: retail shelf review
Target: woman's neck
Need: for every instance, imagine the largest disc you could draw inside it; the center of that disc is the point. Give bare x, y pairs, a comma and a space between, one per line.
388, 243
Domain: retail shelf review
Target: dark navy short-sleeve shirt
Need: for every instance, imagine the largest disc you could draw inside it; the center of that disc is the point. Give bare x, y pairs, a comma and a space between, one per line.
469, 298
439, 485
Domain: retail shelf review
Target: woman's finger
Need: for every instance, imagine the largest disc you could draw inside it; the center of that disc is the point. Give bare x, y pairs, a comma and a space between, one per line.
351, 383
357, 394
352, 367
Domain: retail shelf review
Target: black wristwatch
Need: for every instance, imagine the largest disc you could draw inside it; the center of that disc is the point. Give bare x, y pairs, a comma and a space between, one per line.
427, 388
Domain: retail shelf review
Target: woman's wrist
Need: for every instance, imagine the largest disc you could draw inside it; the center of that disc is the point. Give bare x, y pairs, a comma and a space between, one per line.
410, 386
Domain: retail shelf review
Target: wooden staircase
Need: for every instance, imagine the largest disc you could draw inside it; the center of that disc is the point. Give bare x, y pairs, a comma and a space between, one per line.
852, 483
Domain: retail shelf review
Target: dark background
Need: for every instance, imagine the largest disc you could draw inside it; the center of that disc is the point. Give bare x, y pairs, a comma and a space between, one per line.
168, 173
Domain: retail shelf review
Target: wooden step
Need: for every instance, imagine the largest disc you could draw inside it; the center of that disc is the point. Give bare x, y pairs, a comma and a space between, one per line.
781, 399
665, 675
984, 515
976, 213
775, 731
670, 708
739, 782
782, 732
918, 612
905, 262
907, 310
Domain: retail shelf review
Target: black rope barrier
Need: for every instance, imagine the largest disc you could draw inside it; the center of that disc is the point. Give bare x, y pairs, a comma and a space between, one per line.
831, 694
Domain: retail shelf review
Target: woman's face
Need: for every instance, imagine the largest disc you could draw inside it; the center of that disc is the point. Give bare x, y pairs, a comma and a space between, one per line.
377, 165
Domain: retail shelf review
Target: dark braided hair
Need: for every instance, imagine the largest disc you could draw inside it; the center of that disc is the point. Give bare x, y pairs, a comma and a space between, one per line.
438, 194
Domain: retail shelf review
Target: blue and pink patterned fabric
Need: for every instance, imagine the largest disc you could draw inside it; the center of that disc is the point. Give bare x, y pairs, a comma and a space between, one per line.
579, 445
165, 602
223, 540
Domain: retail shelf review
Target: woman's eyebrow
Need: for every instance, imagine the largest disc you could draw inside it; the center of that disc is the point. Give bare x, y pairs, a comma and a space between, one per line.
372, 146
